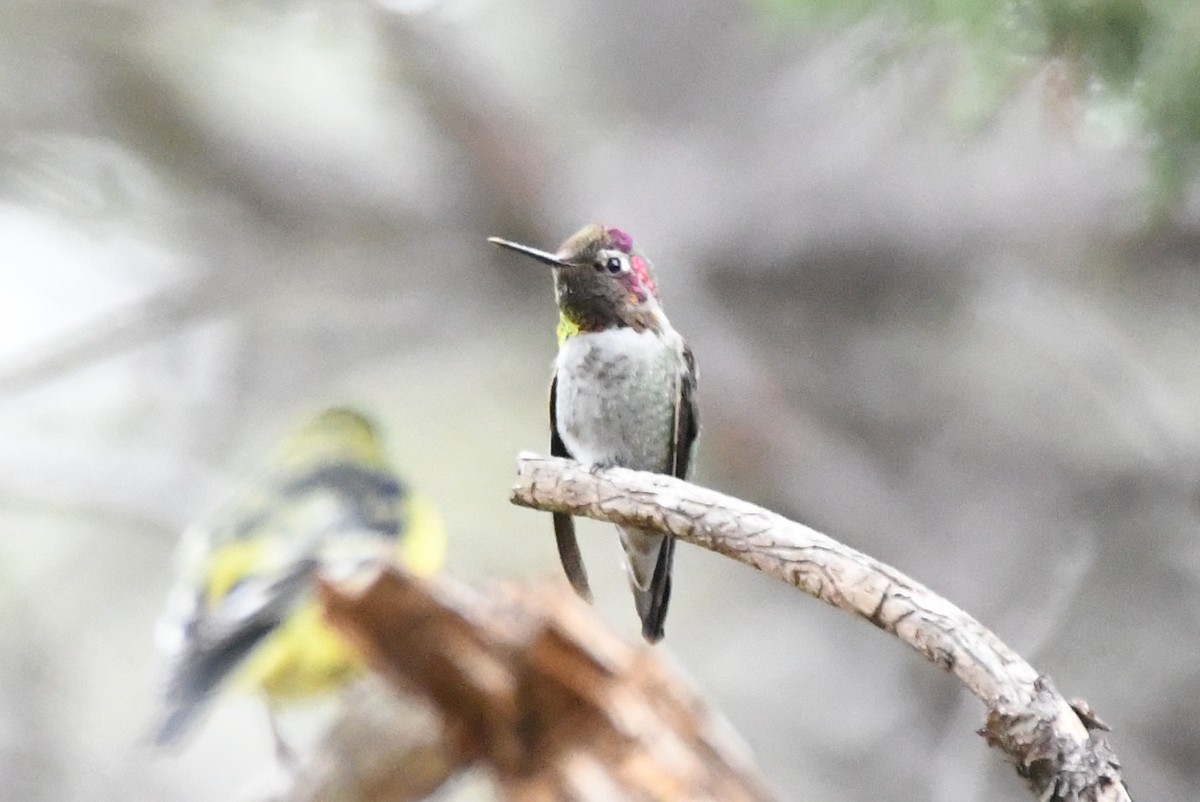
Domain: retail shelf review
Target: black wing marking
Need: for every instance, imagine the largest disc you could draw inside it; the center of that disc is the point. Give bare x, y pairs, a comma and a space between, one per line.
564, 525
219, 645
687, 426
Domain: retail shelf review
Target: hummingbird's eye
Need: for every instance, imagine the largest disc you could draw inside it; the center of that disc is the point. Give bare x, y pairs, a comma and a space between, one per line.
614, 264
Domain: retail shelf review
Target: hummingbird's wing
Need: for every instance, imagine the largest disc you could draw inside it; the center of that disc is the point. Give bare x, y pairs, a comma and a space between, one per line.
687, 419
683, 441
564, 525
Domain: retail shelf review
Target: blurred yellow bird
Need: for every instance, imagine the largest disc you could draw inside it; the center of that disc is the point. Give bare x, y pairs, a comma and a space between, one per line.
243, 610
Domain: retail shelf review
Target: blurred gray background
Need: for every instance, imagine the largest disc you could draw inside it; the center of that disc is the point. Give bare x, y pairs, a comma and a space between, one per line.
967, 348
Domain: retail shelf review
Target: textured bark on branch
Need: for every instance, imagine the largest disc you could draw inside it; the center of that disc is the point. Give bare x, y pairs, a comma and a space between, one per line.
528, 684
1055, 745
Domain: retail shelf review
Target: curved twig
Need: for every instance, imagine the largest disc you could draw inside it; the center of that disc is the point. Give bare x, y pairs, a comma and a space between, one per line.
1054, 744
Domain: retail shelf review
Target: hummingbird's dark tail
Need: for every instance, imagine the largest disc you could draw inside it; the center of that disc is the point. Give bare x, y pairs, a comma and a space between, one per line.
652, 602
570, 557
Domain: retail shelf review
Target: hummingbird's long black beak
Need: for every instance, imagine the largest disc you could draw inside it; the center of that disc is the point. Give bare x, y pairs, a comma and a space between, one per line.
533, 253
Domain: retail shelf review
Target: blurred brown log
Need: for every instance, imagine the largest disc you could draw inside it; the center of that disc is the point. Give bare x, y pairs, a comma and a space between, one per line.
383, 746
530, 685
1056, 746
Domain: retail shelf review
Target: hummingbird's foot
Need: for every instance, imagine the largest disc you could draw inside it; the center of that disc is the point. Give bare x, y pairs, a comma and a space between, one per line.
602, 465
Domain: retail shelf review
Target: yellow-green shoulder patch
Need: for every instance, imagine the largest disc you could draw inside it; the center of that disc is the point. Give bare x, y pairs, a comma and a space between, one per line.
566, 328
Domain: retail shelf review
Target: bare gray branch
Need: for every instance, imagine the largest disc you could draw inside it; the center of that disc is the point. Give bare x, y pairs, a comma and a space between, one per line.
1027, 718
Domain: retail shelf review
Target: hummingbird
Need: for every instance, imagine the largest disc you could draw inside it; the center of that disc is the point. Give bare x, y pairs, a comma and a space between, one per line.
623, 393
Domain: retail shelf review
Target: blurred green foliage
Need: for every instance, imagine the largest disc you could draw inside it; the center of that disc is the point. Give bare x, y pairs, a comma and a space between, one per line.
1133, 64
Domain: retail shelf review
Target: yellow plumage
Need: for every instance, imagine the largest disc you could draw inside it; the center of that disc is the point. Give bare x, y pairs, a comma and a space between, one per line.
243, 610
566, 329
305, 656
